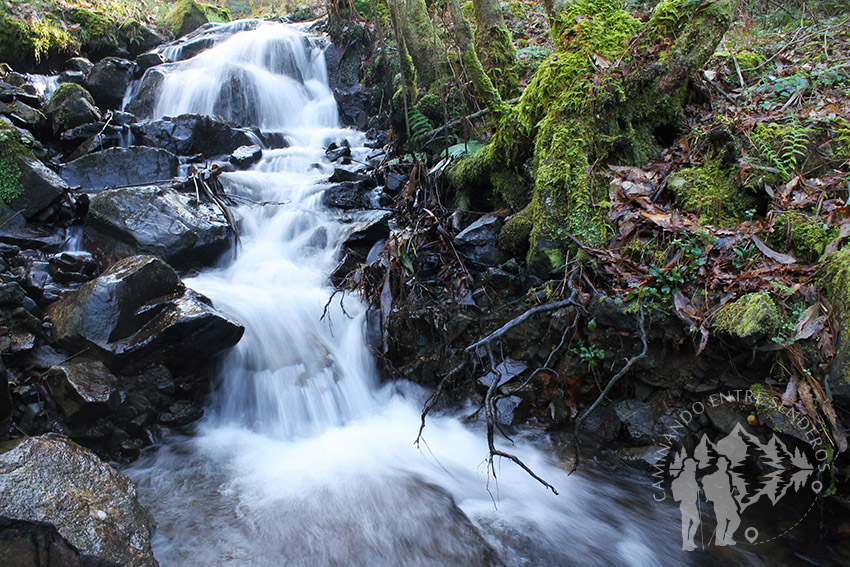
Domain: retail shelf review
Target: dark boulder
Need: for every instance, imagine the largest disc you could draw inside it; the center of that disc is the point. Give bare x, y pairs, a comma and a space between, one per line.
191, 134
70, 106
23, 115
108, 81
365, 234
50, 479
479, 240
347, 195
41, 187
160, 221
147, 60
120, 167
83, 390
139, 312
143, 102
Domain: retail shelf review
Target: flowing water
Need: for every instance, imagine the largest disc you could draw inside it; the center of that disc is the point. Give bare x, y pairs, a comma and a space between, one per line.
303, 459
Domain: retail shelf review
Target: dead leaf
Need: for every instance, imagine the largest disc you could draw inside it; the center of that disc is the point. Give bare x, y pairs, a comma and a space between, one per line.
772, 254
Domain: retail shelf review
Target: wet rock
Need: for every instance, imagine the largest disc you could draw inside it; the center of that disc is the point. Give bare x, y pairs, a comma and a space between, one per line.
160, 221
603, 425
275, 140
95, 134
339, 175
33, 544
338, 153
139, 312
503, 282
611, 313
365, 234
147, 60
24, 115
147, 92
479, 241
41, 187
31, 237
108, 80
244, 157
347, 196
11, 293
71, 106
725, 418
23, 92
76, 77
49, 479
191, 134
395, 182
72, 267
643, 423
120, 167
80, 64
84, 391
504, 372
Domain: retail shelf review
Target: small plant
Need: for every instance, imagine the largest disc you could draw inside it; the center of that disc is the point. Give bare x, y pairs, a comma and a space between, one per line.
782, 148
419, 123
589, 354
744, 256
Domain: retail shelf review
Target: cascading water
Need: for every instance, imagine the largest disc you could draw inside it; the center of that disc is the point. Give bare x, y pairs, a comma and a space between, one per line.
303, 460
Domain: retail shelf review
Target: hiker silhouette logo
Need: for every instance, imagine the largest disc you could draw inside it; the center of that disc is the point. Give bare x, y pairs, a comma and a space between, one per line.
719, 478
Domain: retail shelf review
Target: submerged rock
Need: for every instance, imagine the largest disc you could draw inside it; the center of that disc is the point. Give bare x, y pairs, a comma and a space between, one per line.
119, 167
139, 312
52, 480
160, 221
244, 157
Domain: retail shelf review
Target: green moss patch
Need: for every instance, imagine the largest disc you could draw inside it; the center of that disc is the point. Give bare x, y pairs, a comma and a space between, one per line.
805, 235
187, 16
751, 317
711, 192
25, 44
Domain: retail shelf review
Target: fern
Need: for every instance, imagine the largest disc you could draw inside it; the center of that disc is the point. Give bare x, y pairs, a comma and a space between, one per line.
786, 153
419, 123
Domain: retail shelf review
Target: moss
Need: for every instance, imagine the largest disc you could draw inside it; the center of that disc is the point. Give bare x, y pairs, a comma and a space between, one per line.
711, 192
841, 126
807, 236
751, 64
66, 91
834, 284
188, 15
514, 236
431, 106
24, 44
11, 145
498, 56
753, 316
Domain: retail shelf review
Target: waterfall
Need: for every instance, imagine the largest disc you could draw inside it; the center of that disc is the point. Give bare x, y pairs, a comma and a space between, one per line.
303, 459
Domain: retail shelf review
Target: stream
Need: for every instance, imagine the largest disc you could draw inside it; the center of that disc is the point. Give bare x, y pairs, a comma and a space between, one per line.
303, 458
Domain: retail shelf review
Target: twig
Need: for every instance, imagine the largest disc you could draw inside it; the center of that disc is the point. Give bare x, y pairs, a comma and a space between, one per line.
431, 134
614, 379
434, 398
571, 300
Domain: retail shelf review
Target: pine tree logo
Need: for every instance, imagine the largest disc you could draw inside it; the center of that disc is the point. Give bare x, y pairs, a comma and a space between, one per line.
718, 472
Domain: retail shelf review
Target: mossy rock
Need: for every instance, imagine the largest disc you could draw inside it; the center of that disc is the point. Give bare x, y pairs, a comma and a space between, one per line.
752, 64
187, 15
834, 284
805, 235
97, 33
514, 237
431, 106
711, 192
10, 171
70, 106
34, 44
751, 318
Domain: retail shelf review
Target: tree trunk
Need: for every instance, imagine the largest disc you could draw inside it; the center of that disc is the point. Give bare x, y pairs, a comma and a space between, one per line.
612, 85
420, 39
482, 84
494, 46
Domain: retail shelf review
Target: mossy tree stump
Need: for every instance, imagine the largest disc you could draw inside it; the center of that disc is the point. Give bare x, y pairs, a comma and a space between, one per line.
612, 93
